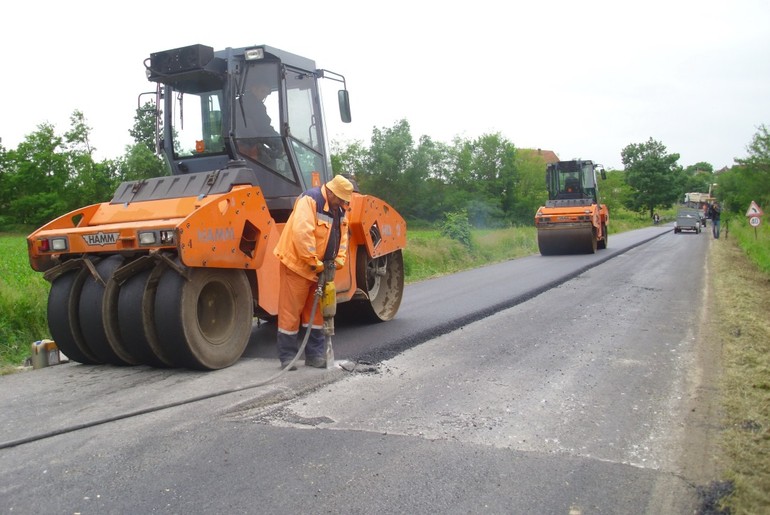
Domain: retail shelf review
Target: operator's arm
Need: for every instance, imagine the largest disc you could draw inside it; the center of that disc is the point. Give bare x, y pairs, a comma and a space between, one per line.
303, 233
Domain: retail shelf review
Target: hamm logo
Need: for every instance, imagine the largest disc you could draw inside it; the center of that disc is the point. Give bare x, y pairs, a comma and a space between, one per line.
217, 234
101, 238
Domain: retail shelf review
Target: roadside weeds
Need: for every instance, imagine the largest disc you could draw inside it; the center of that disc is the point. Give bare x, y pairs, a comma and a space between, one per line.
739, 326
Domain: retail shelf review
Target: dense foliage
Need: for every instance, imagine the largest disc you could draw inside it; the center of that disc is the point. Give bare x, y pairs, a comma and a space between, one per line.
749, 180
653, 174
487, 177
48, 174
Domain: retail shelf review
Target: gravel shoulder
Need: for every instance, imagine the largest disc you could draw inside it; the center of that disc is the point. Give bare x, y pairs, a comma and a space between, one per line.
700, 459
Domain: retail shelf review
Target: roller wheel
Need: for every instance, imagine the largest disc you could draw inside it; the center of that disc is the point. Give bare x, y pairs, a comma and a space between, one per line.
204, 321
602, 244
126, 326
544, 244
382, 280
63, 300
90, 312
567, 241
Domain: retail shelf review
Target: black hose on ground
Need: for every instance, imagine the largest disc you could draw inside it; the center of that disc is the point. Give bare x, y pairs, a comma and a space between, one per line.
76, 427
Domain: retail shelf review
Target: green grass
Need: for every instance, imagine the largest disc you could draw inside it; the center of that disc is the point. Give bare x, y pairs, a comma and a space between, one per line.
622, 220
428, 254
23, 298
740, 322
754, 242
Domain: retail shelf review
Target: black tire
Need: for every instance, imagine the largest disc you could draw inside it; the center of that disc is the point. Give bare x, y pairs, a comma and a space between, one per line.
63, 322
126, 326
543, 244
205, 321
381, 279
602, 244
90, 312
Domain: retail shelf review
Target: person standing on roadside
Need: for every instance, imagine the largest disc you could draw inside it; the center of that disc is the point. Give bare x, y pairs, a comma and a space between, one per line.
714, 213
315, 233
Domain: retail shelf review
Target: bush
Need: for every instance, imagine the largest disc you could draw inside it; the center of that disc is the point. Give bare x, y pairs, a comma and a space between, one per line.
457, 227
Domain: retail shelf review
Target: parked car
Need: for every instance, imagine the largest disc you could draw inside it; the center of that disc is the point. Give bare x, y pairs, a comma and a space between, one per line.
688, 220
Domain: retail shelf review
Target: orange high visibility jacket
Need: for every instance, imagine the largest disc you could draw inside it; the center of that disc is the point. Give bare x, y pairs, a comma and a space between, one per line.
307, 233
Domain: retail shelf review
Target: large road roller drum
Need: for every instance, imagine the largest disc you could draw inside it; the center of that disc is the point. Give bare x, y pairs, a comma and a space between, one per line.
567, 240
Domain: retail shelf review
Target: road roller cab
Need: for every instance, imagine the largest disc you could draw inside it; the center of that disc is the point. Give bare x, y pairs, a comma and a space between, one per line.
172, 271
572, 220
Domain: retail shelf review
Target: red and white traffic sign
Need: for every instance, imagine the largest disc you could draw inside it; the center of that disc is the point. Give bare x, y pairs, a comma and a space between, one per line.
754, 221
754, 210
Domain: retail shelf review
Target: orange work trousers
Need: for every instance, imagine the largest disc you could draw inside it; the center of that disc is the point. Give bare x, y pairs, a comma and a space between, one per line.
295, 302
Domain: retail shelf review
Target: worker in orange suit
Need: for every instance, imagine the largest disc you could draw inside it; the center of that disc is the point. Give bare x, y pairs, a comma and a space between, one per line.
315, 233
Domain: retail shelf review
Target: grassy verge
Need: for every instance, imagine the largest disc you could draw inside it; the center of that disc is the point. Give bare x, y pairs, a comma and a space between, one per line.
740, 275
428, 254
622, 220
755, 242
23, 297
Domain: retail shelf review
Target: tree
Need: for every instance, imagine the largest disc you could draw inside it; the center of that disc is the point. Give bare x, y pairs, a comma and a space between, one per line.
5, 185
139, 163
389, 156
480, 177
484, 179
140, 160
144, 129
350, 160
700, 167
424, 178
654, 176
48, 175
531, 191
614, 192
35, 177
749, 180
697, 177
413, 179
89, 182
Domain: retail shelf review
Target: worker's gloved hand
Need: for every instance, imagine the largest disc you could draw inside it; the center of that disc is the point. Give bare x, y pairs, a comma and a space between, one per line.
319, 266
338, 263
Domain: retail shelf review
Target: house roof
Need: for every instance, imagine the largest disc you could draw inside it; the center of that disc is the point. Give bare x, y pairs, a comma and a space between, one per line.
549, 156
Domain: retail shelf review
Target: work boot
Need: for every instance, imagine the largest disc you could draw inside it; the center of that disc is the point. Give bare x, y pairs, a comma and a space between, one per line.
315, 361
284, 364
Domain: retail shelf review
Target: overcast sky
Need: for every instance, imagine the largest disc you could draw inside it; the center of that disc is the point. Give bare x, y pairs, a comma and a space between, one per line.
582, 78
